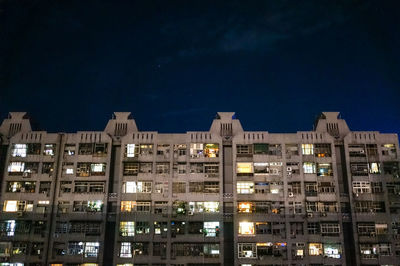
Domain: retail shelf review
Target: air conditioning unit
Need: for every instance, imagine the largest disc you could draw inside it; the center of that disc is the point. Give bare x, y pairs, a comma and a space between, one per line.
190, 212
289, 169
323, 214
310, 215
291, 195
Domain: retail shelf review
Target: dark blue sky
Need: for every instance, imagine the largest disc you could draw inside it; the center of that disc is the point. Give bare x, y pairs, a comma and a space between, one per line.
277, 64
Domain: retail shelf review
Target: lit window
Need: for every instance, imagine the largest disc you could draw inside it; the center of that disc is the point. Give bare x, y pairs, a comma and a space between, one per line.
146, 149
246, 228
127, 228
139, 187
309, 168
332, 250
69, 149
245, 207
95, 206
324, 169
19, 150
200, 206
374, 168
247, 250
211, 206
244, 168
315, 249
369, 251
139, 206
27, 187
8, 227
10, 206
16, 167
75, 248
142, 228
127, 206
211, 250
381, 229
91, 249
307, 149
211, 150
69, 171
211, 229
245, 187
125, 250
129, 187
275, 191
49, 149
196, 150
389, 150
299, 249
130, 150
299, 253
160, 228
98, 167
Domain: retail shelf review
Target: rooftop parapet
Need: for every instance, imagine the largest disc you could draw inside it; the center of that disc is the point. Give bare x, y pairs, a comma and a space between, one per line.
121, 124
15, 122
332, 123
225, 124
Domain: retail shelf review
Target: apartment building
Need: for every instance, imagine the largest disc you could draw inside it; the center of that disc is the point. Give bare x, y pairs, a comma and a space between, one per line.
329, 196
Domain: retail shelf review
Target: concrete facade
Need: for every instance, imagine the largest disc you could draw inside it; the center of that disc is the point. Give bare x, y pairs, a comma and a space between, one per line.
226, 196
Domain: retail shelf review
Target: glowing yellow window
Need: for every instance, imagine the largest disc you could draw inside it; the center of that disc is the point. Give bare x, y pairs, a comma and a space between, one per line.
10, 206
211, 150
211, 206
127, 206
307, 149
300, 253
244, 168
245, 207
315, 249
246, 228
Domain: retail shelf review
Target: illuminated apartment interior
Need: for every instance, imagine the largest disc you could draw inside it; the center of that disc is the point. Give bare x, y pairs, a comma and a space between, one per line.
226, 196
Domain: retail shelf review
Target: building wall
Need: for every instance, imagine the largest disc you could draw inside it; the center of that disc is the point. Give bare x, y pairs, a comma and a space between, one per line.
225, 196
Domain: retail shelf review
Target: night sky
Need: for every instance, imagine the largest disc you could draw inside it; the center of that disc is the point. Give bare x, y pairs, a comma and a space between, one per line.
277, 64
